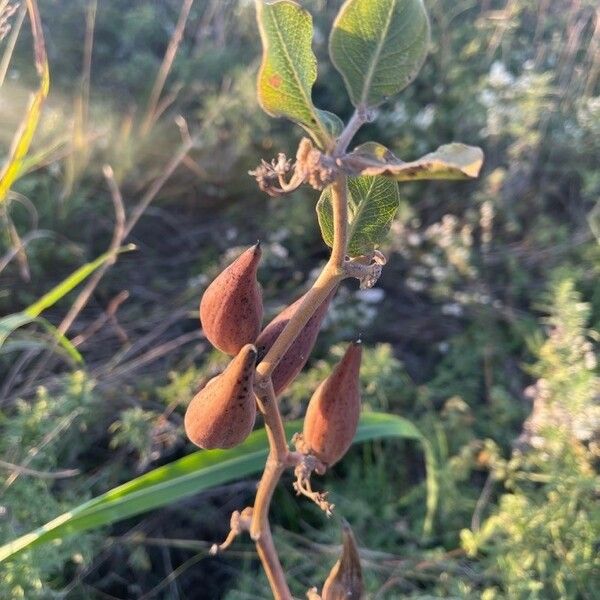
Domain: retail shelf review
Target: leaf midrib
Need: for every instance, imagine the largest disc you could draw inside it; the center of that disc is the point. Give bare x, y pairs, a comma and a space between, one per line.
306, 97
376, 56
360, 210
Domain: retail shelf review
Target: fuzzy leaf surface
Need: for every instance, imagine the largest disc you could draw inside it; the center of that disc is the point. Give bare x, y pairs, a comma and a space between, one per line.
379, 46
451, 161
289, 66
372, 206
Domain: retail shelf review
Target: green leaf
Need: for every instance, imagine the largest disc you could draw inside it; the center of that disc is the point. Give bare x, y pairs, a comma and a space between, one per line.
201, 471
72, 281
379, 47
332, 122
452, 161
372, 206
289, 66
11, 323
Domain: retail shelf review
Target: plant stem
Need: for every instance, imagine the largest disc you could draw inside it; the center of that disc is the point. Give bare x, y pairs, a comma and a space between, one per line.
330, 276
260, 530
339, 199
270, 562
322, 287
279, 456
358, 119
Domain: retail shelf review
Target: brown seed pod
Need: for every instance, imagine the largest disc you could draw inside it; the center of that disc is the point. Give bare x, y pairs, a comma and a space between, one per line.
345, 581
222, 413
231, 309
295, 358
334, 409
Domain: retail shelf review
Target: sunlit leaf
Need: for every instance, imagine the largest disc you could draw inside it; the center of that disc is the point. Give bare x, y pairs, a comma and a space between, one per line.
289, 66
372, 206
11, 323
379, 47
201, 471
72, 281
452, 161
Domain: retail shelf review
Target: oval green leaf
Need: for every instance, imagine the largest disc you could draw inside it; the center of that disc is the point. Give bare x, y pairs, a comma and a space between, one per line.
451, 161
372, 206
379, 46
289, 66
201, 471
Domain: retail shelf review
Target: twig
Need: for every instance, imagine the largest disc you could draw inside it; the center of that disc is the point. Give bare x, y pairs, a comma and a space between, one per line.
24, 242
107, 315
33, 452
21, 470
150, 195
482, 501
165, 67
279, 456
156, 353
329, 278
119, 234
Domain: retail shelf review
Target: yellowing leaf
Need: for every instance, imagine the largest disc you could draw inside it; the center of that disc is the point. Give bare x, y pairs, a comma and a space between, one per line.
452, 161
289, 67
26, 131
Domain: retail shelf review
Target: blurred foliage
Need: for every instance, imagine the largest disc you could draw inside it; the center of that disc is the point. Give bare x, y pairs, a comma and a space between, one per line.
482, 330
44, 436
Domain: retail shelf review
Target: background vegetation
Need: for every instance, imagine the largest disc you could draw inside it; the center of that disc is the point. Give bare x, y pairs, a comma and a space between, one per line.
483, 329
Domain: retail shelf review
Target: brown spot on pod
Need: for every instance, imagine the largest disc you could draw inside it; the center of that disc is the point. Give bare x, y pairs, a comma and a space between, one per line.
231, 308
295, 358
222, 413
334, 409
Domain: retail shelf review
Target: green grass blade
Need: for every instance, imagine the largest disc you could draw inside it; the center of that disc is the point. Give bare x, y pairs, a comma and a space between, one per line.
63, 288
12, 322
63, 341
198, 472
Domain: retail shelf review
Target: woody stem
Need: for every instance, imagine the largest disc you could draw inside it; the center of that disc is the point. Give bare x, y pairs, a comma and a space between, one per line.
279, 456
329, 278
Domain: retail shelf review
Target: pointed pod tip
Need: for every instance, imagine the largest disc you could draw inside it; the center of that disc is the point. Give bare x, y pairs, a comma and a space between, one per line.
256, 250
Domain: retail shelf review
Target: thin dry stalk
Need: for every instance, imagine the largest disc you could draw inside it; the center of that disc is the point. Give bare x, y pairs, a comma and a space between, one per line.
116, 242
12, 41
21, 470
165, 68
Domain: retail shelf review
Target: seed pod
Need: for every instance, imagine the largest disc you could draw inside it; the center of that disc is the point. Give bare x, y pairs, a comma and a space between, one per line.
222, 413
231, 309
345, 580
295, 358
334, 409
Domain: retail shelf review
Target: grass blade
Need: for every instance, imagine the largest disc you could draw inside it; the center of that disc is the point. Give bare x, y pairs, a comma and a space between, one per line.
63, 288
26, 131
201, 471
31, 313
